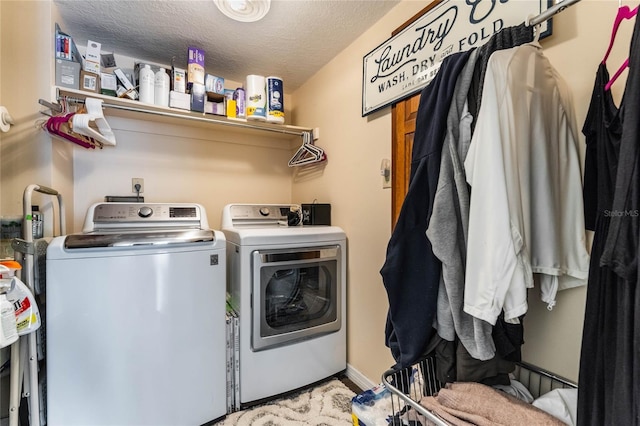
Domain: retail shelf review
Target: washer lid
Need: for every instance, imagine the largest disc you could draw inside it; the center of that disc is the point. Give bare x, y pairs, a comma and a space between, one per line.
138, 238
301, 235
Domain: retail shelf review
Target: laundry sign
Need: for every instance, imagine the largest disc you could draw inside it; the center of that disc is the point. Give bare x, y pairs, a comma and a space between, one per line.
408, 61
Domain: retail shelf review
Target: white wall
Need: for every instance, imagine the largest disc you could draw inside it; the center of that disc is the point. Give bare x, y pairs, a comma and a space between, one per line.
28, 154
331, 99
183, 163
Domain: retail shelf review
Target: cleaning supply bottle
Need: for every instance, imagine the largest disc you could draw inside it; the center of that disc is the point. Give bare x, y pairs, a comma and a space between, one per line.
36, 223
26, 312
147, 85
8, 330
161, 93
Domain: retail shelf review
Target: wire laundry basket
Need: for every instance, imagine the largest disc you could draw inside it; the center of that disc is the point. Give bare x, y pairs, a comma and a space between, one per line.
410, 384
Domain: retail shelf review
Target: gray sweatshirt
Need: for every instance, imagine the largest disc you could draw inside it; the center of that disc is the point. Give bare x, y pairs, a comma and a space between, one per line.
448, 227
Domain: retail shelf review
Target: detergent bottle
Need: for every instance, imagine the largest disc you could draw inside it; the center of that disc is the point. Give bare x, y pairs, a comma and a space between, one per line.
8, 329
27, 314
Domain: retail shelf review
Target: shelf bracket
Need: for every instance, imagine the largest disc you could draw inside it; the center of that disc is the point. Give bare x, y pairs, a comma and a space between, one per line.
55, 108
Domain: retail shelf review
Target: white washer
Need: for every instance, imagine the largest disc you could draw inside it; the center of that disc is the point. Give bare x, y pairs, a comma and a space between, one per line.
288, 286
135, 318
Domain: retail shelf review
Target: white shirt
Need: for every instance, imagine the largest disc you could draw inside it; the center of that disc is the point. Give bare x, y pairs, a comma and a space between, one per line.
526, 209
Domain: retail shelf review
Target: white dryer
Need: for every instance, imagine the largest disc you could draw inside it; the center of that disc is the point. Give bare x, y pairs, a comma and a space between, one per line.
287, 282
135, 321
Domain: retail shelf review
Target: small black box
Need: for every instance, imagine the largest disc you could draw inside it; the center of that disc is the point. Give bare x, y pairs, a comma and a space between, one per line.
316, 214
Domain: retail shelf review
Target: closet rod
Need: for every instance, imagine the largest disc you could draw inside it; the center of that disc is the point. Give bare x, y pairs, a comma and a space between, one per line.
557, 8
239, 124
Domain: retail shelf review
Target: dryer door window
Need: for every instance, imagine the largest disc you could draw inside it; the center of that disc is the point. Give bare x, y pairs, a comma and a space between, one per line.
296, 295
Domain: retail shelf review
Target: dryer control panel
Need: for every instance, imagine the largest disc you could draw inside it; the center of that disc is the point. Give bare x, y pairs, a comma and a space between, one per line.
263, 215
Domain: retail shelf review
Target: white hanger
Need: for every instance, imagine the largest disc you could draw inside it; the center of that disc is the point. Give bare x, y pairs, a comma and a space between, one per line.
536, 28
80, 123
307, 153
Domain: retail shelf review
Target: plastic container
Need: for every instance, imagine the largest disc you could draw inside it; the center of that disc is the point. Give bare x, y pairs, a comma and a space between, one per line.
8, 330
8, 327
240, 97
27, 314
146, 88
10, 227
161, 92
275, 100
36, 223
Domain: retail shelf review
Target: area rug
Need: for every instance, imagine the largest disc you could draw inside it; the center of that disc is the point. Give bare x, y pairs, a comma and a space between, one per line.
327, 404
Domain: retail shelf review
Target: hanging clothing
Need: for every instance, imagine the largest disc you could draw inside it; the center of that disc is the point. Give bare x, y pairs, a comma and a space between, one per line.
621, 249
602, 129
526, 209
411, 272
609, 390
602, 396
448, 228
506, 38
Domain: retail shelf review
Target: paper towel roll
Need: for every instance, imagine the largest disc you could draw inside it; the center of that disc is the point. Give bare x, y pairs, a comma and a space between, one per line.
256, 105
5, 120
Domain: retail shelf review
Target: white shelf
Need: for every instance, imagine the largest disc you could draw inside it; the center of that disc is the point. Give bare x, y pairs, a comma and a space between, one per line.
128, 108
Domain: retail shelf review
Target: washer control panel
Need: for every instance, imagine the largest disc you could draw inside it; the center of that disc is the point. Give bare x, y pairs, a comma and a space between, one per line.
127, 215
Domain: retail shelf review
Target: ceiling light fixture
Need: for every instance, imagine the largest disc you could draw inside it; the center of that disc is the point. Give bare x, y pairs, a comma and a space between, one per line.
244, 10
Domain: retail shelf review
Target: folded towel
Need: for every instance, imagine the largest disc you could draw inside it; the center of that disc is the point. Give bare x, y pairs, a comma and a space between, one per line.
463, 404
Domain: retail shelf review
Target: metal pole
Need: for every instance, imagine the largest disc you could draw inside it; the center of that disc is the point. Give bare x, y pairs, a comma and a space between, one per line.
557, 8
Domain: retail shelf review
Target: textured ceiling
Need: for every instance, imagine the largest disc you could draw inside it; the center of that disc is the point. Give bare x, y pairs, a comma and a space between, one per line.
294, 40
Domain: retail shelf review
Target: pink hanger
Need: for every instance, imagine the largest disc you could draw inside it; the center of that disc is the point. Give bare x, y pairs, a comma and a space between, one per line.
623, 13
624, 66
59, 126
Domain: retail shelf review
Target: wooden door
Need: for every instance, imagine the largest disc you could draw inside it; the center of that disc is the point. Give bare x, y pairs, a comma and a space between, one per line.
403, 125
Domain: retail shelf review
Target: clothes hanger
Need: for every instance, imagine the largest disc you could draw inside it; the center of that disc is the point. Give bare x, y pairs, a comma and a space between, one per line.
307, 153
624, 12
537, 28
81, 123
623, 67
60, 126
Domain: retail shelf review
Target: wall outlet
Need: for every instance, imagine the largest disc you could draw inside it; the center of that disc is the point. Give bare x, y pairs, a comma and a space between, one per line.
137, 181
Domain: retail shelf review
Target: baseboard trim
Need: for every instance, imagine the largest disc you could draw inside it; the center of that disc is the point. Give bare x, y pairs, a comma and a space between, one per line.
358, 378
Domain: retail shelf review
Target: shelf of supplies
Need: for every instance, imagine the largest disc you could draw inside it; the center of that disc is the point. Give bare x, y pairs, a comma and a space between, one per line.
135, 109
